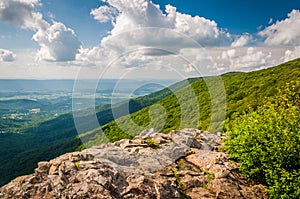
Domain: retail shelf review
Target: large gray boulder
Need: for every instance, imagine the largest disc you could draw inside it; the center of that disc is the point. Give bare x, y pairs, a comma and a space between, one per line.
183, 163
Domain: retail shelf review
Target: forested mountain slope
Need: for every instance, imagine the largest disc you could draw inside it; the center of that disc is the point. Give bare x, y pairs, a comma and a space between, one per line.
21, 152
244, 91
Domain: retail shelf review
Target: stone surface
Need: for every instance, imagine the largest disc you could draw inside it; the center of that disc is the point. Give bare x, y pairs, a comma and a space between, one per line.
187, 164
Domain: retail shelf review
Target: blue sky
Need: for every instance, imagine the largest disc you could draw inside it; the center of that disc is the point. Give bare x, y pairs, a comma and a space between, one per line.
80, 38
237, 16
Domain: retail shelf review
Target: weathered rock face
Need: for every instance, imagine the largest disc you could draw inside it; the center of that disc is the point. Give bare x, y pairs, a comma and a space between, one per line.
181, 164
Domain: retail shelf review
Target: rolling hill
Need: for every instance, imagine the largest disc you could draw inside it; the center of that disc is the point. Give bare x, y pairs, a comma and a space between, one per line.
171, 108
54, 137
244, 91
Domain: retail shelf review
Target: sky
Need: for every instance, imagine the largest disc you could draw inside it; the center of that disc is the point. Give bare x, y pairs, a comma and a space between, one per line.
165, 39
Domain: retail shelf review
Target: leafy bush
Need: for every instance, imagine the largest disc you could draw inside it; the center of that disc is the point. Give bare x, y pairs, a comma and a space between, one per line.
267, 143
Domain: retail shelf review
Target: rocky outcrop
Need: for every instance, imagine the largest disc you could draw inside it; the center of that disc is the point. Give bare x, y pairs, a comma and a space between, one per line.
181, 164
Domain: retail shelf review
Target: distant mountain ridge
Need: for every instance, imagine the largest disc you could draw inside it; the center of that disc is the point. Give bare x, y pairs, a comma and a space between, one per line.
55, 137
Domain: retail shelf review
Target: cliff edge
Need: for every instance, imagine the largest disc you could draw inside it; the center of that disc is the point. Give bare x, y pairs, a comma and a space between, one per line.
181, 164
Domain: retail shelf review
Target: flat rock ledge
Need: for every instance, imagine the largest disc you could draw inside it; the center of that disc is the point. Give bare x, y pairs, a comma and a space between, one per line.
181, 164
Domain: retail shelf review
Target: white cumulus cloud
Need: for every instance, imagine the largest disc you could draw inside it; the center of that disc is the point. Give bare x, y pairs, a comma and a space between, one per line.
142, 24
6, 55
22, 13
245, 59
133, 14
203, 30
284, 32
241, 41
104, 13
229, 54
58, 43
143, 34
291, 54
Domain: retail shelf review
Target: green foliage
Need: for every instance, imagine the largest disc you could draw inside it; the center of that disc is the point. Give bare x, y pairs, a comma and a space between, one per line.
80, 148
175, 106
267, 143
210, 174
244, 92
179, 184
152, 143
47, 138
25, 162
183, 164
211, 177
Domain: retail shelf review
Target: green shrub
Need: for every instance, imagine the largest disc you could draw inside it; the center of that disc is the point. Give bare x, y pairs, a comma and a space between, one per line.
266, 142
